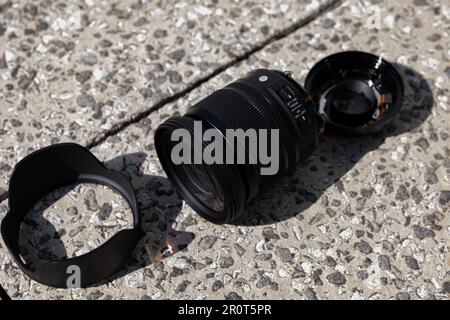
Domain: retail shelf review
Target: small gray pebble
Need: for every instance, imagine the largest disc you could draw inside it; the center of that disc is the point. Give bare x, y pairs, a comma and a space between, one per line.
76, 231
105, 43
416, 195
178, 55
97, 294
265, 29
78, 243
226, 262
431, 177
86, 100
420, 3
146, 92
434, 37
285, 255
422, 143
83, 76
270, 234
310, 294
124, 89
446, 287
447, 72
105, 211
182, 286
176, 272
444, 198
15, 123
387, 245
140, 22
72, 211
233, 296
217, 285
412, 263
402, 296
336, 278
362, 275
264, 256
25, 82
174, 76
189, 221
363, 246
239, 249
263, 282
160, 33
367, 193
422, 233
91, 201
402, 193
384, 263
89, 59
207, 242
329, 261
328, 23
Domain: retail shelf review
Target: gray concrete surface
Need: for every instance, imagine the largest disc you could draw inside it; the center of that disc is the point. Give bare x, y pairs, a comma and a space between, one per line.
364, 218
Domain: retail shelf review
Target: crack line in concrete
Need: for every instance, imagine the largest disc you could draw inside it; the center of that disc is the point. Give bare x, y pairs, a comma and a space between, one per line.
275, 37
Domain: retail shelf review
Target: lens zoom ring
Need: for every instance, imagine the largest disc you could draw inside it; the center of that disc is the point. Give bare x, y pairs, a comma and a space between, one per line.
272, 112
234, 110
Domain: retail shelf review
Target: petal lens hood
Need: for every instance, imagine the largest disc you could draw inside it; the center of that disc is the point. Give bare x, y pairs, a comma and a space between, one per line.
46, 170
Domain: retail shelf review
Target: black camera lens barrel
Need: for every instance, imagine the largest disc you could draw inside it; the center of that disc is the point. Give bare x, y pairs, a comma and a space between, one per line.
351, 92
263, 99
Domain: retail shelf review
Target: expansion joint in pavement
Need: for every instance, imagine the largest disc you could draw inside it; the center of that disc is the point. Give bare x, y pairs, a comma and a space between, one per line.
275, 37
115, 129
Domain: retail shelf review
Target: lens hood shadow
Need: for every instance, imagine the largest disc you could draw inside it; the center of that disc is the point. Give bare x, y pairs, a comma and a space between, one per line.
334, 157
38, 238
158, 205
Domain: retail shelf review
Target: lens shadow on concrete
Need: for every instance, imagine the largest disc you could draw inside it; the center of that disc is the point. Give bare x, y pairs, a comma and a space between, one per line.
334, 157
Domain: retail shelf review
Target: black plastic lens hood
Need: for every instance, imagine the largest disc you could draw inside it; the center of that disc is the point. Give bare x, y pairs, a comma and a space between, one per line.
46, 170
355, 92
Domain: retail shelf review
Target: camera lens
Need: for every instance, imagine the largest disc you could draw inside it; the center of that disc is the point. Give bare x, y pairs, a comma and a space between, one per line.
262, 101
353, 92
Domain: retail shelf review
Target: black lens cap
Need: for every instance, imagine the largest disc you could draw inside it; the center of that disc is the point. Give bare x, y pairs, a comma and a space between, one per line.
355, 92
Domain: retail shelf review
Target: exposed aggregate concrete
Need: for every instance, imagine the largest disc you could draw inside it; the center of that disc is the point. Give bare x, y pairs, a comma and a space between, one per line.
363, 218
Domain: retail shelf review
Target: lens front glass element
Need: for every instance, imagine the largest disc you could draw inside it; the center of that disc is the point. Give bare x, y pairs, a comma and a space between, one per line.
202, 185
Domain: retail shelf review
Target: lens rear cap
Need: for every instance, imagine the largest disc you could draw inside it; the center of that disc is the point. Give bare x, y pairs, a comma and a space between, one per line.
355, 92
